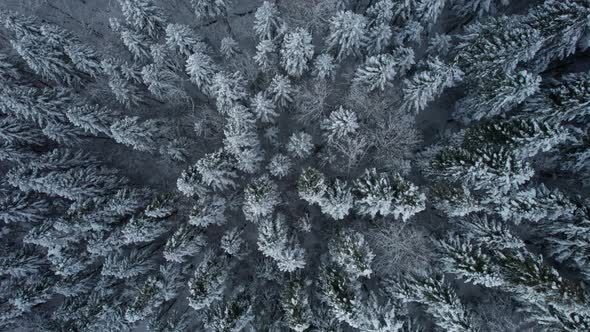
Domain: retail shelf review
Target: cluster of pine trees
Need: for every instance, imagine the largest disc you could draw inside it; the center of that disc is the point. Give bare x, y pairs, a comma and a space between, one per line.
321, 165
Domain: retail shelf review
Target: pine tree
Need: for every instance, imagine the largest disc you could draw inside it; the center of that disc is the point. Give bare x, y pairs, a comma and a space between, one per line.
140, 136
300, 145
337, 200
427, 85
347, 34
186, 241
324, 67
181, 38
339, 124
295, 304
352, 253
217, 170
143, 229
209, 210
228, 89
144, 16
233, 241
208, 282
265, 56
146, 302
202, 71
260, 198
281, 90
379, 71
496, 45
232, 316
137, 43
209, 8
525, 136
92, 118
311, 185
267, 23
22, 208
561, 25
16, 132
125, 266
296, 52
493, 171
279, 166
274, 241
440, 300
497, 95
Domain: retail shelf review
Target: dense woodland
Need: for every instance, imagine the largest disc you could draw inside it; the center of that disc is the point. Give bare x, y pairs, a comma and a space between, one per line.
294, 165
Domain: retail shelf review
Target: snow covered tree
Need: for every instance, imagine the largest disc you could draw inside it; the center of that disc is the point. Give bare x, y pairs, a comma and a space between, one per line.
339, 124
352, 253
209, 210
526, 137
496, 45
324, 67
440, 300
260, 198
208, 282
22, 208
122, 265
209, 8
497, 95
281, 89
217, 170
201, 70
311, 185
232, 241
337, 200
300, 145
267, 23
347, 34
296, 52
279, 166
377, 72
143, 229
265, 55
274, 241
232, 316
144, 16
561, 26
92, 118
180, 37
295, 304
228, 89
384, 194
141, 136
186, 241
494, 171
427, 85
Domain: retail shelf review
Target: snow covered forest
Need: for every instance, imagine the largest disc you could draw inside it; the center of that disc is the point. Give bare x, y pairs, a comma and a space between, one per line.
295, 165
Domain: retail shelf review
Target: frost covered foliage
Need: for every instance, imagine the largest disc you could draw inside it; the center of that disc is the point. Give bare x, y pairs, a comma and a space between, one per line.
318, 165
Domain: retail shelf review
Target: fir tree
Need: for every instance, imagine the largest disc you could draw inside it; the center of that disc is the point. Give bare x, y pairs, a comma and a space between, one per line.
260, 198
296, 52
209, 210
267, 23
339, 124
274, 241
186, 241
209, 8
352, 253
300, 145
207, 284
347, 33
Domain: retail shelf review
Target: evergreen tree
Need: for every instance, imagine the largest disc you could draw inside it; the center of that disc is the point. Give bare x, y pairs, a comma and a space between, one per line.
279, 166
92, 118
337, 200
497, 95
440, 300
186, 241
295, 304
296, 52
209, 210
209, 8
300, 145
311, 185
207, 284
140, 136
228, 89
267, 23
260, 198
23, 208
339, 124
181, 38
217, 170
427, 85
144, 16
347, 33
232, 316
352, 253
274, 241
201, 70
281, 90
324, 67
